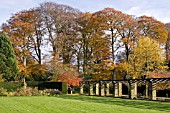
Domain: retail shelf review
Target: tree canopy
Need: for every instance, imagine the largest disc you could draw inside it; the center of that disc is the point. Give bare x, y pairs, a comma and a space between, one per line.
146, 57
96, 44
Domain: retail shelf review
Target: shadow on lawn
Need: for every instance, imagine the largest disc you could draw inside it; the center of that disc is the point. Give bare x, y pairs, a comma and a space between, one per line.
142, 104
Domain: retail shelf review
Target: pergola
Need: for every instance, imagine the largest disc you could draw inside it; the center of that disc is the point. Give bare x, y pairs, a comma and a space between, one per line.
102, 87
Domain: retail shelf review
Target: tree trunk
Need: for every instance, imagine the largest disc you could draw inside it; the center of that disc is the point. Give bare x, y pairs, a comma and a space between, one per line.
113, 56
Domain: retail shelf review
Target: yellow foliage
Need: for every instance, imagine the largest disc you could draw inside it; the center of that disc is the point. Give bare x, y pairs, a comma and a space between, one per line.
146, 56
1, 79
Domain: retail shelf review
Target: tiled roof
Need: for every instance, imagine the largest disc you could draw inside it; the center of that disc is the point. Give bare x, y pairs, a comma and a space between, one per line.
160, 75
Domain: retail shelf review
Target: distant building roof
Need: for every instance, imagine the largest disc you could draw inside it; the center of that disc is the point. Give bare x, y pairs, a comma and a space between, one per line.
160, 74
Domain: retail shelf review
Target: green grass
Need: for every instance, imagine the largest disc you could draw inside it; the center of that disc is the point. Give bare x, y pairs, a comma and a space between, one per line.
79, 104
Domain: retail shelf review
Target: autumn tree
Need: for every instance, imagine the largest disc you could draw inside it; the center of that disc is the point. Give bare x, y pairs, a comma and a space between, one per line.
152, 28
102, 70
38, 72
37, 37
64, 72
146, 57
168, 44
120, 31
25, 30
95, 43
84, 51
31, 29
68, 74
60, 29
60, 22
27, 33
100, 42
19, 28
8, 63
108, 20
100, 52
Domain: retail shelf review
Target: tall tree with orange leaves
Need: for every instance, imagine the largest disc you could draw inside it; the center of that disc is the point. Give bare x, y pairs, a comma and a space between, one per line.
119, 29
36, 37
95, 43
152, 28
84, 51
20, 29
27, 34
168, 44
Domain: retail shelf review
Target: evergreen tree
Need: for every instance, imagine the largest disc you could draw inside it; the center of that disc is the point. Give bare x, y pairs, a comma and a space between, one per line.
8, 63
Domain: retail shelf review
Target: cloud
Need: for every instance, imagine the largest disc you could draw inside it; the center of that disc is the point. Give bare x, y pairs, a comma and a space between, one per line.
9, 7
160, 14
16, 4
155, 8
135, 11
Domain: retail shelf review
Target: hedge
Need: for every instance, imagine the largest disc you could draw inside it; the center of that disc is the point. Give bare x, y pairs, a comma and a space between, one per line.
11, 86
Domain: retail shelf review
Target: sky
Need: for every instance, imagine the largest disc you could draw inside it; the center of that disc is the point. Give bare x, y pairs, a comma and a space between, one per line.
159, 9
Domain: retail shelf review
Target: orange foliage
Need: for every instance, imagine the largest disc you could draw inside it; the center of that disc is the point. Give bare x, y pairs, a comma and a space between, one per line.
153, 28
70, 78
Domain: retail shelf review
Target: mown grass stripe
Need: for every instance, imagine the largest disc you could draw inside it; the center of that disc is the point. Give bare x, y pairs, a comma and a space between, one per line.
79, 104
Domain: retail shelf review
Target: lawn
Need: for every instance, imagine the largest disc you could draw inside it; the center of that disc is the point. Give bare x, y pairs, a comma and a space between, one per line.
79, 104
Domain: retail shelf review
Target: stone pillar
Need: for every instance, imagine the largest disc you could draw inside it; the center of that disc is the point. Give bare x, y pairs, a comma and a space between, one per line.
91, 89
116, 90
133, 87
152, 91
97, 88
107, 89
120, 89
146, 90
102, 89
129, 90
81, 89
154, 94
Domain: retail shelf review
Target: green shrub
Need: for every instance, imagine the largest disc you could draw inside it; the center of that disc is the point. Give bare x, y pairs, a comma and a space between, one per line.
33, 83
51, 92
29, 91
76, 89
64, 88
10, 86
3, 92
39, 85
